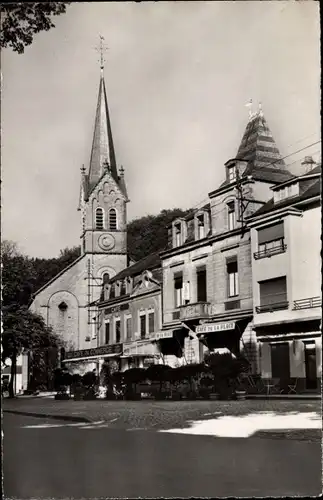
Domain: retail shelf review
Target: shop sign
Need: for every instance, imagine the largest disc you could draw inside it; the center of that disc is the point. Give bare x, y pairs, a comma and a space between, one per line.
140, 348
215, 327
121, 307
163, 335
96, 351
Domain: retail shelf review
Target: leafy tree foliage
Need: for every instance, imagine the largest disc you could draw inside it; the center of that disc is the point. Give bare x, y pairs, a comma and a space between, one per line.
20, 21
149, 234
23, 331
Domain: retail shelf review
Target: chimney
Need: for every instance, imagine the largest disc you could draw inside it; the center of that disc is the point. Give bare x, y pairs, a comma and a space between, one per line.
308, 163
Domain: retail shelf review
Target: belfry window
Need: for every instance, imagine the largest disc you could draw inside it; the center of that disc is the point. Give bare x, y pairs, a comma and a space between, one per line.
113, 219
62, 306
99, 218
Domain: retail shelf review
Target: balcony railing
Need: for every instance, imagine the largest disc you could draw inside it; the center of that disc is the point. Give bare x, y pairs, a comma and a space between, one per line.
193, 311
272, 307
307, 303
262, 254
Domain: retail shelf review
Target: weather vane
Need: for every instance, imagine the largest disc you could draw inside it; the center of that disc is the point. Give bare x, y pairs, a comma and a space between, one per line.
101, 48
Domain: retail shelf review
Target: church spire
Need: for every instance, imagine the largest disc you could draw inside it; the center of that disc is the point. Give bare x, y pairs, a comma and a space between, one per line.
102, 146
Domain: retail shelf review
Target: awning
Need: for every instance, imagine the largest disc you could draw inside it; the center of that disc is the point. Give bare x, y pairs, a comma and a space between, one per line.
93, 358
139, 348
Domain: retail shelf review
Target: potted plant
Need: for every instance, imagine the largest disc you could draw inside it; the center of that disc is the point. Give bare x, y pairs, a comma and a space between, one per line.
62, 380
132, 377
89, 381
159, 373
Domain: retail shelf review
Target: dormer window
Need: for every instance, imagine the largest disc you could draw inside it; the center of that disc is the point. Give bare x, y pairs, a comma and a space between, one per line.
178, 234
128, 285
112, 219
231, 173
105, 278
99, 218
200, 227
286, 192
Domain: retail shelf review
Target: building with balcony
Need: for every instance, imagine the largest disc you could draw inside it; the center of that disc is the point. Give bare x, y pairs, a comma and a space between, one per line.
207, 282
286, 282
129, 316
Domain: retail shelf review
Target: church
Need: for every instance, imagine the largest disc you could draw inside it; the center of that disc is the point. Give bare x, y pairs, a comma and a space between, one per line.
64, 302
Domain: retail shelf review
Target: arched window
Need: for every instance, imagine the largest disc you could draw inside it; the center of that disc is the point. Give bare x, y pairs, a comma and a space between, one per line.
113, 219
99, 218
105, 278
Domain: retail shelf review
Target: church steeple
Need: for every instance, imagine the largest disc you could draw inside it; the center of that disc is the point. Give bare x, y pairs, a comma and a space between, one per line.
258, 146
102, 146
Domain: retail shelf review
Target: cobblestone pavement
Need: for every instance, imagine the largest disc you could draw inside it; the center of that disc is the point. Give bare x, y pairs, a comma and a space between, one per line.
153, 415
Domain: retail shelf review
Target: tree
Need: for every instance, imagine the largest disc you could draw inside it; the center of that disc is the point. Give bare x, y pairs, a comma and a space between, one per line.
21, 21
23, 331
149, 234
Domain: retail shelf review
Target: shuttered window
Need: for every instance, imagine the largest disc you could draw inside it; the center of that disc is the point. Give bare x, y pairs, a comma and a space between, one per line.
151, 322
128, 328
99, 218
271, 233
113, 219
107, 332
201, 284
118, 330
142, 325
273, 291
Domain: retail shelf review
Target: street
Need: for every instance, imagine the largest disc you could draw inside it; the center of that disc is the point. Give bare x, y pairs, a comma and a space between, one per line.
54, 458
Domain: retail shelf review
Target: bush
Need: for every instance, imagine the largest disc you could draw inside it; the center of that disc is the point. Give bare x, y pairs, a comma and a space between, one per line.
89, 379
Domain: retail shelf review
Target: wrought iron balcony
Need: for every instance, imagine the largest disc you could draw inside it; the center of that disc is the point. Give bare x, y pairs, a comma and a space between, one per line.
195, 311
262, 254
307, 303
272, 307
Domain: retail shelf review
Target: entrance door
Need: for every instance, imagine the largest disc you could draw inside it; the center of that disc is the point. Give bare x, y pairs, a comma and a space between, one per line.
310, 365
280, 364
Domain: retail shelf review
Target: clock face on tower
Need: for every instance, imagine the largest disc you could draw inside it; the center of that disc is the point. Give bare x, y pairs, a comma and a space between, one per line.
106, 241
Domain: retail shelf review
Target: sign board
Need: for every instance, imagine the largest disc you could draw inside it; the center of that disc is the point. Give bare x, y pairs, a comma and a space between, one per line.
215, 327
96, 351
163, 335
143, 348
121, 307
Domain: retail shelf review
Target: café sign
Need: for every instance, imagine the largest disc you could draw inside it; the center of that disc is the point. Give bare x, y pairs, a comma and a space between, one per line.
96, 351
215, 327
163, 335
121, 307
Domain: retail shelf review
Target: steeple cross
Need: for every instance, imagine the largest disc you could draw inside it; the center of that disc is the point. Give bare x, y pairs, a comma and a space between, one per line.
101, 48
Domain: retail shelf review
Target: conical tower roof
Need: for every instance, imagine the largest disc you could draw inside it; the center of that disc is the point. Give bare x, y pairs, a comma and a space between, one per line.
258, 146
102, 146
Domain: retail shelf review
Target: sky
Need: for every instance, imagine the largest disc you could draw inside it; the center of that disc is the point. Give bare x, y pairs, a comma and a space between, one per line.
178, 76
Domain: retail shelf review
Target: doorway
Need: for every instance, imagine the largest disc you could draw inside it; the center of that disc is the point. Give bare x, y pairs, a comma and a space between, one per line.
280, 363
310, 365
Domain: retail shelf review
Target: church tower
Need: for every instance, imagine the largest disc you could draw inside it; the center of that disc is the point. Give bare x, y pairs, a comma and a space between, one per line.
103, 197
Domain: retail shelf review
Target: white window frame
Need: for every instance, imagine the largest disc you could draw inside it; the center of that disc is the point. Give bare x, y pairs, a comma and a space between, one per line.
178, 234
233, 282
232, 175
232, 222
140, 315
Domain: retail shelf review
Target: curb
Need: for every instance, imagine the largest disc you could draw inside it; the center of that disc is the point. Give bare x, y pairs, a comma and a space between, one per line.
47, 415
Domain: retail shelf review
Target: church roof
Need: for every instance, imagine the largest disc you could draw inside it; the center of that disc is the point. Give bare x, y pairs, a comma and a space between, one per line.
102, 145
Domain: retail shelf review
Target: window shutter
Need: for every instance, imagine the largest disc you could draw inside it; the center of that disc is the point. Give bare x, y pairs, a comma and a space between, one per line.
271, 233
273, 291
